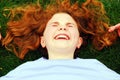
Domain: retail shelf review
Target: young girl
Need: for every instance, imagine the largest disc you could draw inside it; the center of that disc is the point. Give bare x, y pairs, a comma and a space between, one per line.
60, 28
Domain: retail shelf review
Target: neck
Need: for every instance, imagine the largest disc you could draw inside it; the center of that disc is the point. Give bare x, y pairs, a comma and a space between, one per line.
60, 55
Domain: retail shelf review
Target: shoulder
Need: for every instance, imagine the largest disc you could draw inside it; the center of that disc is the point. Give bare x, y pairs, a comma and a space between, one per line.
96, 66
25, 67
92, 63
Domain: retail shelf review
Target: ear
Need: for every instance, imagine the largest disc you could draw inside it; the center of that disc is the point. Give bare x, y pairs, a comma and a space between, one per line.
80, 41
42, 41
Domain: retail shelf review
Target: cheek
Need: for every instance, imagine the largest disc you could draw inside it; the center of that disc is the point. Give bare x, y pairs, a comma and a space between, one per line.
75, 33
48, 33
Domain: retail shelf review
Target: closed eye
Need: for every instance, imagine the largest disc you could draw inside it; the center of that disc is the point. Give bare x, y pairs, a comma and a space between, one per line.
70, 25
55, 24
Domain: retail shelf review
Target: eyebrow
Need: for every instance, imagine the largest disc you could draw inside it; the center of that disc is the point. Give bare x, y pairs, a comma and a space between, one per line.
70, 23
54, 23
66, 24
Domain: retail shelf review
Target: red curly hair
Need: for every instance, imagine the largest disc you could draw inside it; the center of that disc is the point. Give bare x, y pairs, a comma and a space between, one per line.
27, 24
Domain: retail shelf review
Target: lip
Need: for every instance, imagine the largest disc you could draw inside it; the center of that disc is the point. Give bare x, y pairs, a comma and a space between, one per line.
62, 36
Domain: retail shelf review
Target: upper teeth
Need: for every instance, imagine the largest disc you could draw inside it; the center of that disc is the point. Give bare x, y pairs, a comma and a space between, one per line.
61, 37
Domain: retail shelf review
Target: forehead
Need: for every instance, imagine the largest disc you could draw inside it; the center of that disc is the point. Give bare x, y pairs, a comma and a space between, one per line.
62, 17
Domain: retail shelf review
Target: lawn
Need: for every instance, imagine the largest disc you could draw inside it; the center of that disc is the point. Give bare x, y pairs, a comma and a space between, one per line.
110, 56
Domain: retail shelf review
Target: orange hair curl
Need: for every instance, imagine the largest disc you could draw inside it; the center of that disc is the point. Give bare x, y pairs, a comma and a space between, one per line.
27, 24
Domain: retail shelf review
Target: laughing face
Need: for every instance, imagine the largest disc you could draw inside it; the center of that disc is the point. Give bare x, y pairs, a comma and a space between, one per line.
61, 33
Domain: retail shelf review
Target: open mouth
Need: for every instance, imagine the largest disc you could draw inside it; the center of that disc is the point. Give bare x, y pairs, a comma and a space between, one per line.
62, 37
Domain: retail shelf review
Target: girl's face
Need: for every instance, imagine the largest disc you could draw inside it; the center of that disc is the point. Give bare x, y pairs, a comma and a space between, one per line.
61, 33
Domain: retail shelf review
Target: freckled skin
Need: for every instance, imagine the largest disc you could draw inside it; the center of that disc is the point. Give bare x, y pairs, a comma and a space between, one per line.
61, 25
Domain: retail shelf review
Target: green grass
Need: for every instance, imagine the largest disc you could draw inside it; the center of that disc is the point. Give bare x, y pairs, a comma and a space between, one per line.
110, 56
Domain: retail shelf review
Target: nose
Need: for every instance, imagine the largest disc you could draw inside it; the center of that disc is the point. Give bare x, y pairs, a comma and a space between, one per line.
62, 28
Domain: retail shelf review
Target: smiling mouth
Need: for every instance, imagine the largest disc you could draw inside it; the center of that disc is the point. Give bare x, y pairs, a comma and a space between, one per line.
62, 37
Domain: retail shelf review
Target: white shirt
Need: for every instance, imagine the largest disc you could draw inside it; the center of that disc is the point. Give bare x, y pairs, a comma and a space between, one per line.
67, 69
